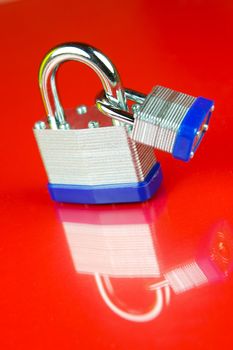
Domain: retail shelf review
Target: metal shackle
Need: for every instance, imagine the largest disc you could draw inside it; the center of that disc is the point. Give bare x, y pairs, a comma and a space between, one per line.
88, 55
125, 116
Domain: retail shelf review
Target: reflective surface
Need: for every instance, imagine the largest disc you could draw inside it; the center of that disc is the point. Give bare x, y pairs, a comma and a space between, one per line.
48, 299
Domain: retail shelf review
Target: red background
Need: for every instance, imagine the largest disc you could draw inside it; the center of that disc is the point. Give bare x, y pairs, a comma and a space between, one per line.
184, 45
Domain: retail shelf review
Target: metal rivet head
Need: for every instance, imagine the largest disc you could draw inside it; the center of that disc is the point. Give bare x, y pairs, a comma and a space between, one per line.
135, 107
65, 126
81, 109
93, 124
40, 125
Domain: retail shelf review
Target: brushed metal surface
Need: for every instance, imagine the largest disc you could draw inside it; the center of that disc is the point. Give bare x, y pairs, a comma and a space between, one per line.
93, 156
158, 120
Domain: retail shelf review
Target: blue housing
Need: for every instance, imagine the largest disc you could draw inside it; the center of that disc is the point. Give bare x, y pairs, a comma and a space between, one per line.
185, 140
102, 194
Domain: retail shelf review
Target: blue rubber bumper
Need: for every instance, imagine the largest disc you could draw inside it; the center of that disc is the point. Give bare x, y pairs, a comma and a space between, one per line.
190, 132
103, 194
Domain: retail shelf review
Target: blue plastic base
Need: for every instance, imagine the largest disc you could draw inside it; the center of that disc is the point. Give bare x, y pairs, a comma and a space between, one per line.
120, 193
184, 143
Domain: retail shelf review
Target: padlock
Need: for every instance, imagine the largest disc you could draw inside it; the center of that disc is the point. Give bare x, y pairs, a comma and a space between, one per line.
165, 119
88, 158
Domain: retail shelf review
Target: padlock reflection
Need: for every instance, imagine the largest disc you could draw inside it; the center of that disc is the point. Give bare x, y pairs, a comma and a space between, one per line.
122, 245
118, 246
115, 241
213, 262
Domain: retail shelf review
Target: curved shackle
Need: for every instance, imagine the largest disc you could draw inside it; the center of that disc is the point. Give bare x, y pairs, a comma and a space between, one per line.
88, 55
152, 313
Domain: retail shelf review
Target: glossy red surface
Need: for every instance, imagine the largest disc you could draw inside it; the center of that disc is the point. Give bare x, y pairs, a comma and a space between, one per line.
46, 301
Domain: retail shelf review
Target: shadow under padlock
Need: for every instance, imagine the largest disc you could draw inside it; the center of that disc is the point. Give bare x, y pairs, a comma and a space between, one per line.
94, 159
121, 246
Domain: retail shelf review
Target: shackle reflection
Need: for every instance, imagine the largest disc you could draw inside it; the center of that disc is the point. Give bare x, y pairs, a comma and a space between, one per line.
122, 243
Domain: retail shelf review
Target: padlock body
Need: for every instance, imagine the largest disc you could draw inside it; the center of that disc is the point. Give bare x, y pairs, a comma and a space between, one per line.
172, 121
97, 165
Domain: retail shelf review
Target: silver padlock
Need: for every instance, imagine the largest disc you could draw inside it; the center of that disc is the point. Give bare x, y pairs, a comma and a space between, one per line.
165, 119
87, 158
